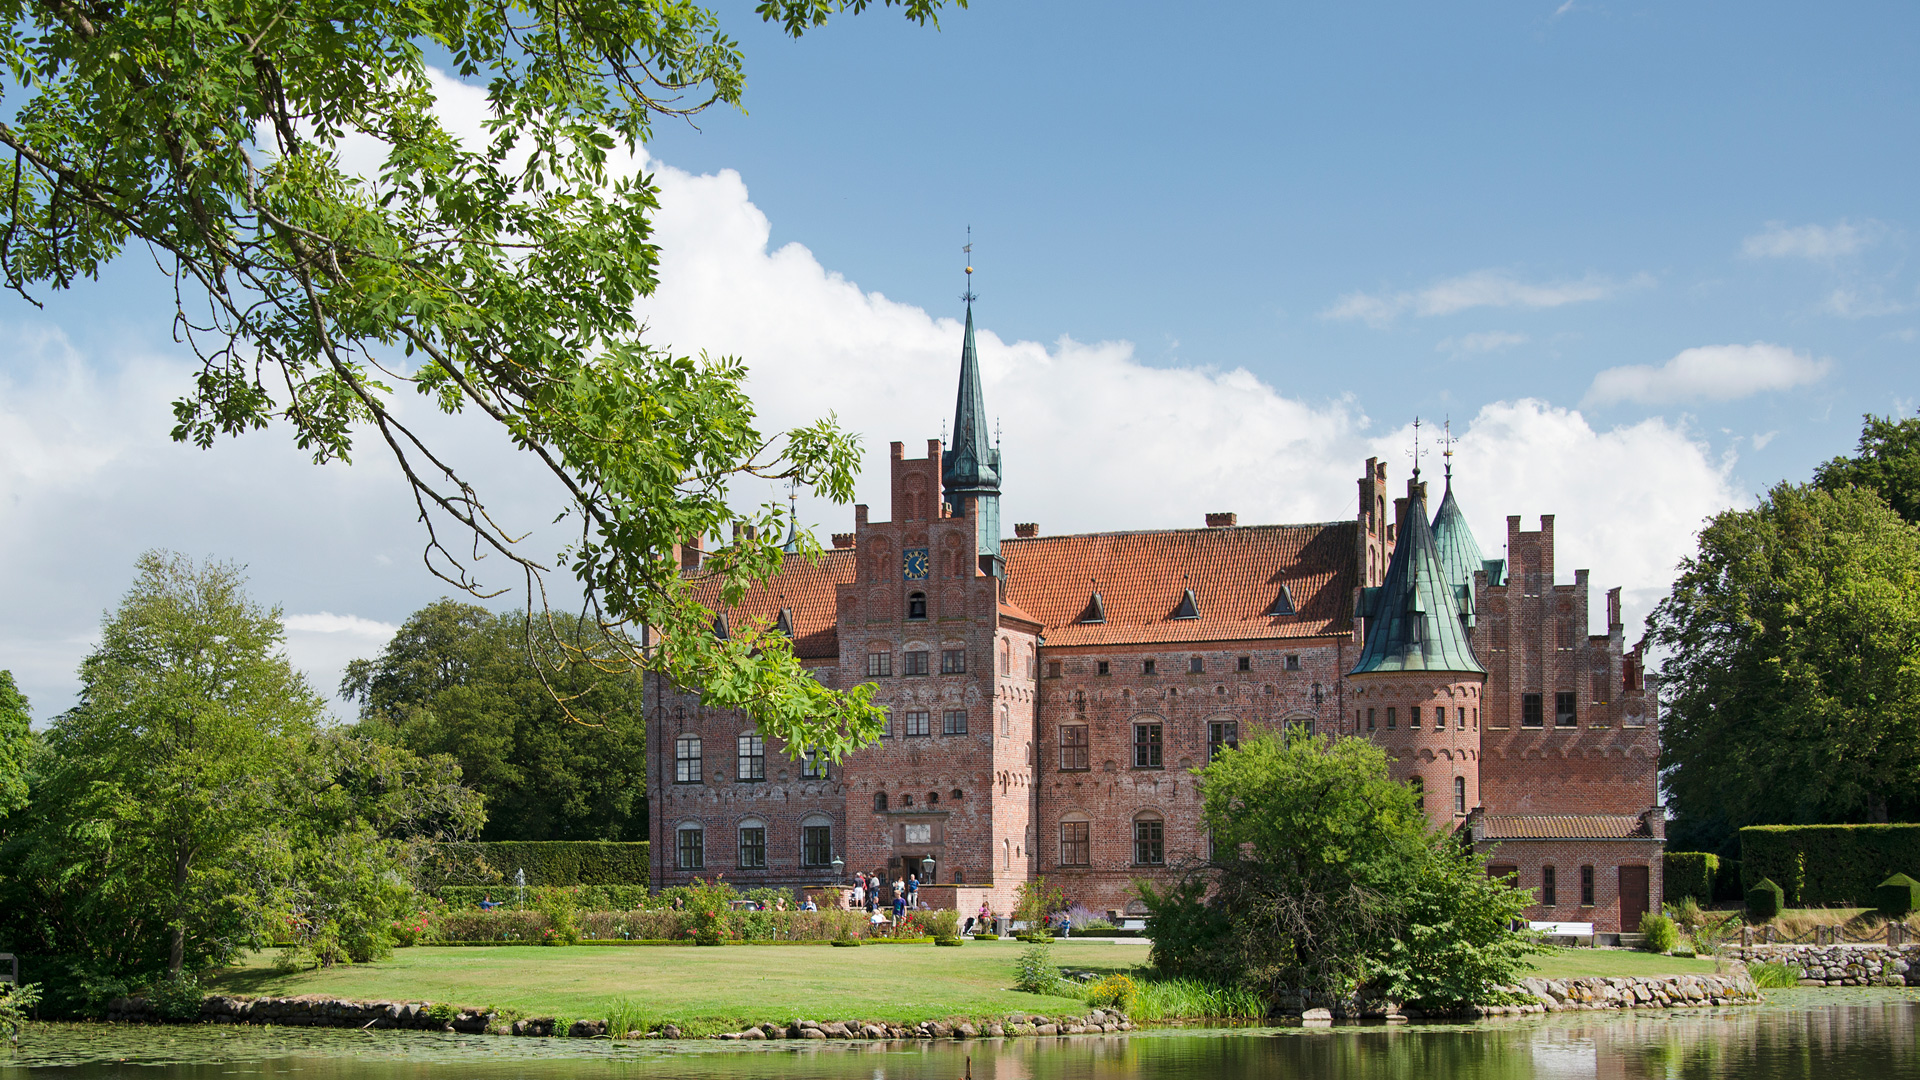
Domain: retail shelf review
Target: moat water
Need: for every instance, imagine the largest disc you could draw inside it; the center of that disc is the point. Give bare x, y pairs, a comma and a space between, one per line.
1824, 1034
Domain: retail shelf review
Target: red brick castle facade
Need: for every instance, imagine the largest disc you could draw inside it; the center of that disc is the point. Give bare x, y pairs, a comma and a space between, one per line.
1049, 696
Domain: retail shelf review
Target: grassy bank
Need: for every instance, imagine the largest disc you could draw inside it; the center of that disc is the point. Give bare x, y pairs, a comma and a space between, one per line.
706, 990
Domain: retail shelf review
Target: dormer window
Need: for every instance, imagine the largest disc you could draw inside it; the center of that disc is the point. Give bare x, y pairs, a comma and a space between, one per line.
1282, 605
917, 606
1189, 607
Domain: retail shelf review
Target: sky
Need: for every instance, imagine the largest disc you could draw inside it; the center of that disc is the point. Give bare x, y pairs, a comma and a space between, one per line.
1647, 259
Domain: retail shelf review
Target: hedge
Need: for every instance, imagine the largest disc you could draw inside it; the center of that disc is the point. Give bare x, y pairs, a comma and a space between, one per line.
1897, 896
1827, 864
584, 897
546, 862
1689, 873
1764, 900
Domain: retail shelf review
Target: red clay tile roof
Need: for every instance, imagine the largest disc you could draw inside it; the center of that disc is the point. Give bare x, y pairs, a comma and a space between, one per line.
1562, 827
807, 588
1235, 574
1013, 611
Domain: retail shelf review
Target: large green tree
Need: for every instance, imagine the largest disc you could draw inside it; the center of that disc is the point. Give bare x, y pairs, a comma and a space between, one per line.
497, 275
1791, 692
1325, 880
192, 804
1887, 464
556, 744
16, 742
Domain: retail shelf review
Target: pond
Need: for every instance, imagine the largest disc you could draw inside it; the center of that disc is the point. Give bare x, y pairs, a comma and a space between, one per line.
1829, 1034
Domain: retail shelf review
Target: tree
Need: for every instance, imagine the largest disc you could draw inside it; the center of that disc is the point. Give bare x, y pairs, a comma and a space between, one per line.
1792, 688
497, 274
193, 804
16, 742
1326, 881
461, 681
1888, 465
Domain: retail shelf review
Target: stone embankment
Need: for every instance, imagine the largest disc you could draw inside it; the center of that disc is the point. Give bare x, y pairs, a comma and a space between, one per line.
1663, 992
1097, 1022
1840, 965
319, 1012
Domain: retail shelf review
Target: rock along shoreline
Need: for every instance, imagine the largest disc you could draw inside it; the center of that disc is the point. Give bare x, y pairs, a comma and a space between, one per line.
1549, 995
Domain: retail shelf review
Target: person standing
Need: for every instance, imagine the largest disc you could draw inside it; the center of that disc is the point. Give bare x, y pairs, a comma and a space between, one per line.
913, 893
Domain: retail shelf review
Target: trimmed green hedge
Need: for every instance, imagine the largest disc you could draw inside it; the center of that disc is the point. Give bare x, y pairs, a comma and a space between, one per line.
1897, 896
1827, 864
584, 897
1689, 873
1764, 900
547, 862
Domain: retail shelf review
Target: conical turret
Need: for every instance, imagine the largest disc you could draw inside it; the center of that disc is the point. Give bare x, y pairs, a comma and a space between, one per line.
1414, 621
970, 472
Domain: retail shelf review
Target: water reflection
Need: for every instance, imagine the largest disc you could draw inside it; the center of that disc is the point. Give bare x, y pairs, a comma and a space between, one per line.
1865, 1035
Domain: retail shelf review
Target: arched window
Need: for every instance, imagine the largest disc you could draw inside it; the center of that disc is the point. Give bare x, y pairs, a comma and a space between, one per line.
816, 841
1419, 787
933, 798
1006, 657
753, 844
690, 847
917, 606
1149, 840
1459, 794
879, 802
686, 759
1076, 846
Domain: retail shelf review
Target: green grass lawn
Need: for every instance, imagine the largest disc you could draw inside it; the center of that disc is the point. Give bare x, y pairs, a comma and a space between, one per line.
724, 989
1587, 963
712, 989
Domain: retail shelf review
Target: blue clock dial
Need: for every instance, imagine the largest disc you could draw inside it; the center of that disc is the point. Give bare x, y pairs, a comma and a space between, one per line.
913, 563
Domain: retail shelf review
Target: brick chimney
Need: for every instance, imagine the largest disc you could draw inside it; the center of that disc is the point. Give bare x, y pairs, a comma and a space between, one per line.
1222, 520
843, 540
1027, 530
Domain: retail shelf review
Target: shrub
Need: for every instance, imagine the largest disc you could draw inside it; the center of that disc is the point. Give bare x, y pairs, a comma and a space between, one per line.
441, 1012
16, 1002
1195, 999
546, 862
986, 937
1827, 864
177, 998
1897, 896
948, 941
1113, 992
1658, 934
708, 911
1689, 874
1765, 900
844, 943
1035, 972
563, 928
942, 923
1773, 975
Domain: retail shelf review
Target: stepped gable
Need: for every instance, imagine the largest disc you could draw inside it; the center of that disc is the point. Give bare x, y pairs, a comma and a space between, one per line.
808, 589
1235, 572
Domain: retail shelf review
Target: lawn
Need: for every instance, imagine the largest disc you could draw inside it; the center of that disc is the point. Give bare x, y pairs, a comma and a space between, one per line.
720, 989
710, 989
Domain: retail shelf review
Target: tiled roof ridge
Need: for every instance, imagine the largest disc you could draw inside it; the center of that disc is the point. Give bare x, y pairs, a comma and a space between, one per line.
1203, 529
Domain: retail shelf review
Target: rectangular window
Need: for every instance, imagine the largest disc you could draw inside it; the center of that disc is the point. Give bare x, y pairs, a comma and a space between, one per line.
813, 766
953, 661
1053, 669
1146, 667
1419, 787
691, 852
1459, 794
1586, 886
1102, 668
1293, 662
1507, 874
1073, 748
753, 849
1146, 746
953, 722
1530, 710
1075, 847
1549, 897
1369, 719
753, 758
1196, 666
1600, 682
816, 845
1392, 718
1564, 710
1463, 718
1222, 735
915, 662
1245, 663
1413, 717
1149, 842
879, 664
919, 722
686, 759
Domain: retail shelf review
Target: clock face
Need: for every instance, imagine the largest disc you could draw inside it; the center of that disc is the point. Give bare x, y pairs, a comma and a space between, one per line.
913, 564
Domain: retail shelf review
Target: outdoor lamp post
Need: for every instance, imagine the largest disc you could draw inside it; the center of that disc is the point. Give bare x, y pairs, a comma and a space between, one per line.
926, 870
839, 869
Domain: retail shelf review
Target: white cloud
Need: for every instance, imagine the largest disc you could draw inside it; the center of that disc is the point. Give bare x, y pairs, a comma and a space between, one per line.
321, 644
1821, 243
1482, 288
1708, 373
1851, 303
1483, 342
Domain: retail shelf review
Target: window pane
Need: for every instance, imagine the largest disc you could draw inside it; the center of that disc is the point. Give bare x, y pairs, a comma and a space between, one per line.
1222, 735
916, 662
1413, 717
692, 849
879, 664
816, 845
686, 759
953, 661
1530, 715
813, 766
753, 849
1196, 665
1548, 894
1146, 746
1459, 794
1148, 846
1073, 746
1075, 847
1564, 710
1586, 886
953, 722
753, 758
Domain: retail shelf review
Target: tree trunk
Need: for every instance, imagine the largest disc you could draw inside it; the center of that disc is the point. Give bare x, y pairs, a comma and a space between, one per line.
177, 945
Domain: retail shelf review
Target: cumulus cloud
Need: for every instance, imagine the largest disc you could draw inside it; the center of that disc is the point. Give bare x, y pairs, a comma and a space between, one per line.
1708, 373
1482, 288
1821, 243
1850, 303
1485, 341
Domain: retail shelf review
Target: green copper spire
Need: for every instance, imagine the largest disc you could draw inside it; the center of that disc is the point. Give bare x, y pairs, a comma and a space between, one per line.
1460, 555
1414, 620
970, 471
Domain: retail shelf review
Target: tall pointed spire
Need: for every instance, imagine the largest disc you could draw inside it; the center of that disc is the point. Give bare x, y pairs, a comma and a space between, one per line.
1414, 621
970, 471
792, 545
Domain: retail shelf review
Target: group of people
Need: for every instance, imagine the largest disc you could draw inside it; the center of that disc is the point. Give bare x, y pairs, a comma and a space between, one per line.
903, 895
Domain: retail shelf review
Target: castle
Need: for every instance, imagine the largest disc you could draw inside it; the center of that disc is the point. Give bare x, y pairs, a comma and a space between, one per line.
1049, 696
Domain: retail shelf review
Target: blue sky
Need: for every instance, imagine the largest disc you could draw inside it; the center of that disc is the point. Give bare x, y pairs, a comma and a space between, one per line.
1650, 259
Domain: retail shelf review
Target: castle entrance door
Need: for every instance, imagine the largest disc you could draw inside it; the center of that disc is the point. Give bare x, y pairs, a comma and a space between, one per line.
1633, 897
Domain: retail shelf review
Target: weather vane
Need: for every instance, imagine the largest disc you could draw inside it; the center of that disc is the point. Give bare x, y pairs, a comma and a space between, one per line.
1448, 452
967, 250
1416, 452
